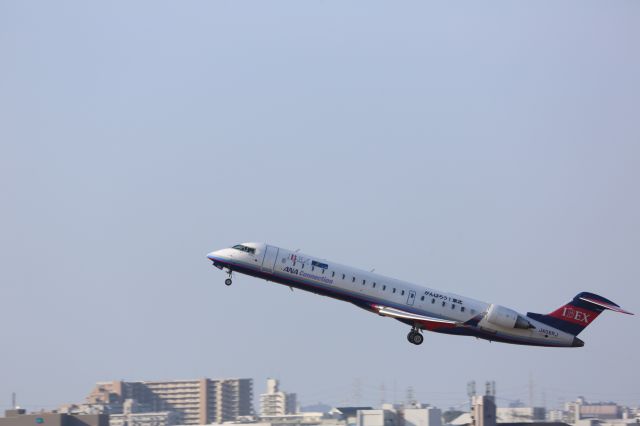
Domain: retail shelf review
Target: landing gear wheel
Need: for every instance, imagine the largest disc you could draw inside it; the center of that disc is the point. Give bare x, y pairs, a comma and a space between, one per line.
228, 281
410, 336
417, 339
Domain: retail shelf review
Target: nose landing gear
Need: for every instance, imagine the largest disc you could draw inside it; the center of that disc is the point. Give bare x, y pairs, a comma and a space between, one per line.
415, 337
228, 280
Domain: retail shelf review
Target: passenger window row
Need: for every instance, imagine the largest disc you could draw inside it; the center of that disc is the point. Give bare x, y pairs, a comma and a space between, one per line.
384, 287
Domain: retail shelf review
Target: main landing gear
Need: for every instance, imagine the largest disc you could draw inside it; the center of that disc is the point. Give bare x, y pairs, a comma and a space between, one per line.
415, 337
228, 280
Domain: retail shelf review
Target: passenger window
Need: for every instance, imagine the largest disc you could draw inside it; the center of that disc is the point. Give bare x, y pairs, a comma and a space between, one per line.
384, 287
364, 282
394, 290
343, 276
302, 267
402, 294
461, 308
353, 279
453, 306
444, 303
374, 285
433, 301
422, 298
333, 273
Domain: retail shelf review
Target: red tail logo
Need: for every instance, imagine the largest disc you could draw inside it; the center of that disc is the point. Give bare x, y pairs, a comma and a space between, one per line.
575, 315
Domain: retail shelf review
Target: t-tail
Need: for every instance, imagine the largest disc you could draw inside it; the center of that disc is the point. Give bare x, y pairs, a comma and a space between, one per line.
576, 315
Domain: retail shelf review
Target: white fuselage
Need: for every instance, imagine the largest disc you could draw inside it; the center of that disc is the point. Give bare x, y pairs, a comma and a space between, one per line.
365, 288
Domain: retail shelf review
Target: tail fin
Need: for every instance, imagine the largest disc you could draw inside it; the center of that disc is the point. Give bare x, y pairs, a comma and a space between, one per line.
576, 315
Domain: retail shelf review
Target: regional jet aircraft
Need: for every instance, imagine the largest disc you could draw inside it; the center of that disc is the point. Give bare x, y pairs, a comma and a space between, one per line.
420, 307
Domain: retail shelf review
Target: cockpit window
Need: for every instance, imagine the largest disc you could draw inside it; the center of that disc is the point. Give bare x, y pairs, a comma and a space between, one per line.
245, 248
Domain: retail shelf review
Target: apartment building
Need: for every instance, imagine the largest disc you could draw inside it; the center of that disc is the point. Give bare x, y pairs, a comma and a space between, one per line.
197, 402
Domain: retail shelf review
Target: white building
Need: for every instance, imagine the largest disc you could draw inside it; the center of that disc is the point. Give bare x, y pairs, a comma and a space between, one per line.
429, 416
483, 410
521, 414
376, 418
275, 403
134, 415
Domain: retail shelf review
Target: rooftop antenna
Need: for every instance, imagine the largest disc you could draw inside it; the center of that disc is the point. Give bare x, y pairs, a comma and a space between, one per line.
383, 394
471, 391
410, 400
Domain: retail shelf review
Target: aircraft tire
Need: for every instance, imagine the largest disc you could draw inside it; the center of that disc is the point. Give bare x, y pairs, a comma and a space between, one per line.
228, 281
417, 339
410, 336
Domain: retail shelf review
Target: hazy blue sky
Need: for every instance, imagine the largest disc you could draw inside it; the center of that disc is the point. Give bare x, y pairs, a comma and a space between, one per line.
486, 148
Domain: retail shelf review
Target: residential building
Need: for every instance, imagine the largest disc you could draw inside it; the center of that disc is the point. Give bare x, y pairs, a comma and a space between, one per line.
277, 403
197, 402
581, 409
135, 414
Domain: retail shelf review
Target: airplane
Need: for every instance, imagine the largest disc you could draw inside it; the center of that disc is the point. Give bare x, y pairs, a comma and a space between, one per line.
418, 306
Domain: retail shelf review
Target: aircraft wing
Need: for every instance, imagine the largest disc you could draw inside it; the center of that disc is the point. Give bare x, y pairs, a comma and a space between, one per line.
422, 321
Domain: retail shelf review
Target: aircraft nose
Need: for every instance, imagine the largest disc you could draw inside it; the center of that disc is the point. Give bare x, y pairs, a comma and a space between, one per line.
577, 343
214, 254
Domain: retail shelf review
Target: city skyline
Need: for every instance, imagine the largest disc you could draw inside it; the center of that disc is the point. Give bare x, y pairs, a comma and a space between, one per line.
358, 392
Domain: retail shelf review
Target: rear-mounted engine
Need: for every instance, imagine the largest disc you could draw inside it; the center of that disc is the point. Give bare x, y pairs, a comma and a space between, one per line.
505, 317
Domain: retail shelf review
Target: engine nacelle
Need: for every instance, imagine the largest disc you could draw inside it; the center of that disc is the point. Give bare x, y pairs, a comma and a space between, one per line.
505, 317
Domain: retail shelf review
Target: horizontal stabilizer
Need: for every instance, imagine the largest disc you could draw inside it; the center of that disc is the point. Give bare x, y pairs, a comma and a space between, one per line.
604, 303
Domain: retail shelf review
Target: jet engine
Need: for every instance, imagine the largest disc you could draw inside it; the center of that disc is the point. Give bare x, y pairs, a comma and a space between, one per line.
505, 317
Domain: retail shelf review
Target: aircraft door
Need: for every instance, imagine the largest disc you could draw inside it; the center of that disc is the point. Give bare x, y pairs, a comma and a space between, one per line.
411, 298
269, 260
